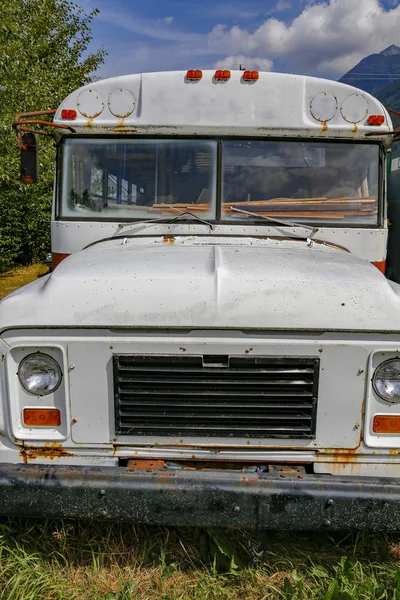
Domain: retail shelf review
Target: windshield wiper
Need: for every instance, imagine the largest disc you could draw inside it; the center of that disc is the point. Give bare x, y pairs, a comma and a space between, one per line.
188, 213
309, 239
313, 230
168, 220
144, 224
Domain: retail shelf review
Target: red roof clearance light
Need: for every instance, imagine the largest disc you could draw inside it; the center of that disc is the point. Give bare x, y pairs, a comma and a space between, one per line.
69, 114
376, 120
194, 75
251, 75
222, 75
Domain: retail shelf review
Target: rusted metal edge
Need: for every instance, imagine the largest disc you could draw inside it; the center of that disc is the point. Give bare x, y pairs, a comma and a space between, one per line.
202, 498
394, 132
23, 119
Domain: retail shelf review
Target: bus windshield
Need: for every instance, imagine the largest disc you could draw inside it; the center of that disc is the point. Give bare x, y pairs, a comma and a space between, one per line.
129, 179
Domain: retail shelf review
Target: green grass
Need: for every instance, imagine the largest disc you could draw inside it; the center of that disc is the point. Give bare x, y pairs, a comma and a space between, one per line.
19, 276
76, 560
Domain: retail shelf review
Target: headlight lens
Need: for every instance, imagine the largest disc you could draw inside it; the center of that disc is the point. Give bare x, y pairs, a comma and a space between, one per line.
386, 380
39, 374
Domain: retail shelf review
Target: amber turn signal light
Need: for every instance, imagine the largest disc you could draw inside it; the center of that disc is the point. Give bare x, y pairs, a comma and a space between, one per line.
42, 417
386, 424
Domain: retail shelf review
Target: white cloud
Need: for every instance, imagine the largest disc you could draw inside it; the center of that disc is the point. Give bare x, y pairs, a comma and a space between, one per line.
279, 7
156, 29
144, 57
329, 36
246, 62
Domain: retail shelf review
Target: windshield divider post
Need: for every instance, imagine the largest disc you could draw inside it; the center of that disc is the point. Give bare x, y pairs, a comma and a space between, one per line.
219, 190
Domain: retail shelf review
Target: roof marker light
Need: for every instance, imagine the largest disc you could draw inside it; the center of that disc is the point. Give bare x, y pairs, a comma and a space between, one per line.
251, 75
69, 114
194, 75
222, 75
376, 119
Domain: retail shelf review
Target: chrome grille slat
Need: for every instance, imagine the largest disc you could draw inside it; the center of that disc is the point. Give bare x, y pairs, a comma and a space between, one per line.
215, 396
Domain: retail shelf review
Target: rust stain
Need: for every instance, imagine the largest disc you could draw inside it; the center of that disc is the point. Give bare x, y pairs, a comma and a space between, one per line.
341, 468
324, 127
362, 415
166, 473
394, 451
3, 357
183, 349
89, 122
74, 421
321, 350
246, 479
123, 130
169, 239
343, 455
147, 465
249, 350
287, 469
92, 116
355, 128
50, 450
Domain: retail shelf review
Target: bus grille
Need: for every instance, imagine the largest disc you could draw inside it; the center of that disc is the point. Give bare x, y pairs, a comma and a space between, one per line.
215, 396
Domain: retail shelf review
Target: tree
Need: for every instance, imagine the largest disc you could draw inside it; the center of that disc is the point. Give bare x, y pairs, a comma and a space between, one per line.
43, 57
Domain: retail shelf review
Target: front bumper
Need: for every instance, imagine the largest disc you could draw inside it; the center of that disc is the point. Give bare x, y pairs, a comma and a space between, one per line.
209, 497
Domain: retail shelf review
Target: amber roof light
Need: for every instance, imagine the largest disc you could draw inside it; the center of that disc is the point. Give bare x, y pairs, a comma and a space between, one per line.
222, 75
194, 75
251, 75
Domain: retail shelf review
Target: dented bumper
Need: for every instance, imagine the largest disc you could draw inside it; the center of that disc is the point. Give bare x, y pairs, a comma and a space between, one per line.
209, 497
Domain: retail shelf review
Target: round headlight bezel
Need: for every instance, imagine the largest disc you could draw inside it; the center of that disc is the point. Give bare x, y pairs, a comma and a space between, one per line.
375, 376
50, 361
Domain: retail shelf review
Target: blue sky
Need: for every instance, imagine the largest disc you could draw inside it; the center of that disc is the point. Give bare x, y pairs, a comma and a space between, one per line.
318, 37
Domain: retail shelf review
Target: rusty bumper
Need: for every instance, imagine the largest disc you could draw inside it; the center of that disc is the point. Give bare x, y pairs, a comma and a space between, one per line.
219, 498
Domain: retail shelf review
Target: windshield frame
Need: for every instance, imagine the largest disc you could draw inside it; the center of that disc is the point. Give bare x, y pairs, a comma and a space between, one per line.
219, 218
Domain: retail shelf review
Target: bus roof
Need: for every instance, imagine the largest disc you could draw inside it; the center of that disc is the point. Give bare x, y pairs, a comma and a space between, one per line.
170, 103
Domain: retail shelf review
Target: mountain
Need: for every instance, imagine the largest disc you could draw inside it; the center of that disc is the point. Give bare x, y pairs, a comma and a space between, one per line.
376, 71
390, 95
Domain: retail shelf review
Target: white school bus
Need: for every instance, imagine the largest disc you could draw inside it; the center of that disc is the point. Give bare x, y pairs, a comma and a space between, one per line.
217, 343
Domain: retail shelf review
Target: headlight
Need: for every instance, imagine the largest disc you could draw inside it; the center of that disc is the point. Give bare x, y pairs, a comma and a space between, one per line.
386, 380
39, 374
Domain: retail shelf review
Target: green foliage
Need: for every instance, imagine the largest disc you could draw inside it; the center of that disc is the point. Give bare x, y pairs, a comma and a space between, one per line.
226, 556
390, 95
43, 58
77, 560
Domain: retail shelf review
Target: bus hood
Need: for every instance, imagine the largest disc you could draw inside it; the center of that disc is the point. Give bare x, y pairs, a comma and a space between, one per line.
208, 282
